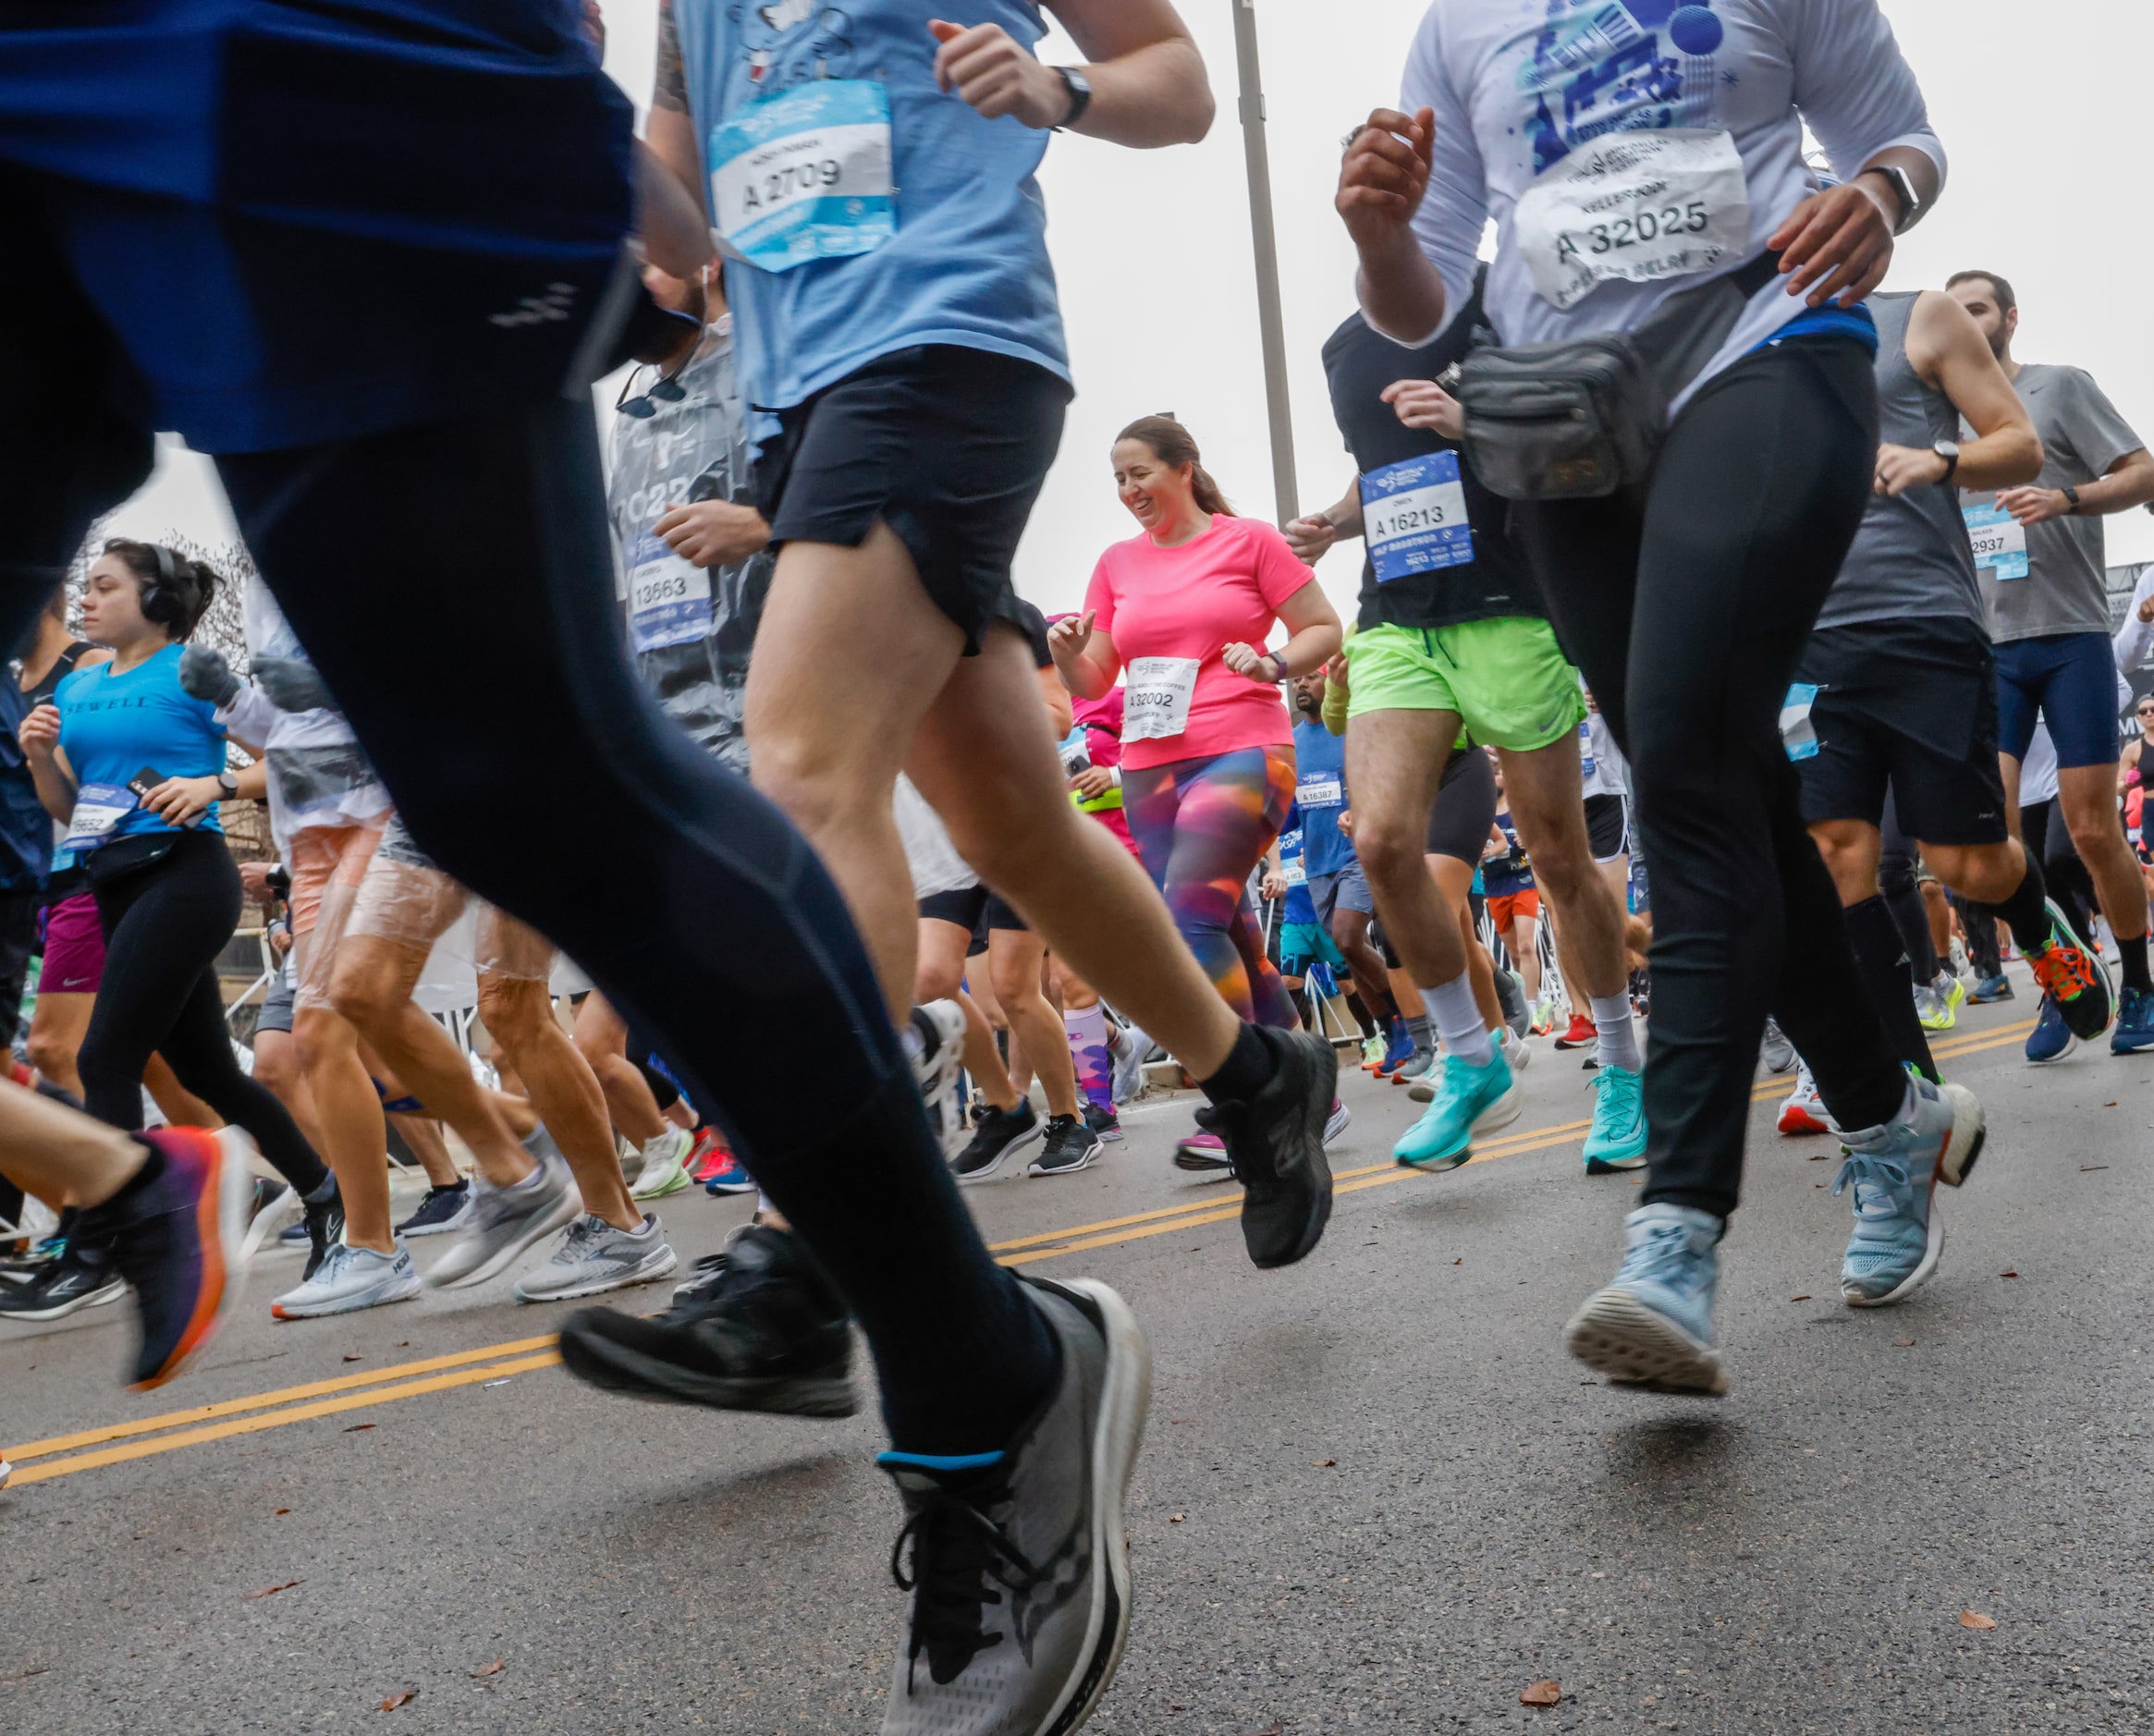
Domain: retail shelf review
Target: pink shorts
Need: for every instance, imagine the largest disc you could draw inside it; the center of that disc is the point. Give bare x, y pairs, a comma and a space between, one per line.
74, 948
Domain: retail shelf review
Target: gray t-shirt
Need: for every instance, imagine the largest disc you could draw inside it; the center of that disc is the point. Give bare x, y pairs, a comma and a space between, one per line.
2083, 437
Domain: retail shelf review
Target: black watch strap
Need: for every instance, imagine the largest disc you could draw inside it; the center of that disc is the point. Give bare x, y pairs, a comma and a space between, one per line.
1080, 89
2072, 497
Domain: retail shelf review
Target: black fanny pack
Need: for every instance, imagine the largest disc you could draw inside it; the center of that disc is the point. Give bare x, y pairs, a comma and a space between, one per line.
1585, 416
125, 856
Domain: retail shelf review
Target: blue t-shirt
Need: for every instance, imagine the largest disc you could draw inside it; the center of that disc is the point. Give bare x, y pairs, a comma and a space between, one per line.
114, 725
1502, 875
968, 262
1300, 907
1320, 798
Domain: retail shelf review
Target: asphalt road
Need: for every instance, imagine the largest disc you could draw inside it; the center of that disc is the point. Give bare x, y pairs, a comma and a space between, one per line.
1374, 1493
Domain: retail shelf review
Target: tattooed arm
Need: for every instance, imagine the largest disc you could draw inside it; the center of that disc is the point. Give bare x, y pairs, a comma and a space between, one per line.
669, 193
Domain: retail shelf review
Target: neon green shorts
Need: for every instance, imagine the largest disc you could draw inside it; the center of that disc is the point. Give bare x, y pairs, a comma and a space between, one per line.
1506, 678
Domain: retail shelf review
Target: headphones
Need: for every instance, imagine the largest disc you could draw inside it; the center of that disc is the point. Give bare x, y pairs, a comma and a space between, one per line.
162, 601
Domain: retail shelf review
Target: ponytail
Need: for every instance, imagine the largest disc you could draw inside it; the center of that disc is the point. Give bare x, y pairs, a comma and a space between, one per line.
1172, 444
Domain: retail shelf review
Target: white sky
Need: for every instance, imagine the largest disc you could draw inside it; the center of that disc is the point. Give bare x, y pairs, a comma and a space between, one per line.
1153, 254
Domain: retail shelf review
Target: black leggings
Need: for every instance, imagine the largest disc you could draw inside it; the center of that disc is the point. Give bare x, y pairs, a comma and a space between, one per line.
2048, 840
1687, 609
164, 926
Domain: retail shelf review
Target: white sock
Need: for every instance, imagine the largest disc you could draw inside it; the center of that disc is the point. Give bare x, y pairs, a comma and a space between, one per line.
1619, 1033
1457, 1018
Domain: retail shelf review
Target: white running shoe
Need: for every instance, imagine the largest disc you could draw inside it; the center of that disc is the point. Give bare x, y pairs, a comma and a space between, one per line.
1804, 1110
594, 1257
1514, 1049
665, 1166
349, 1280
941, 1025
1129, 1045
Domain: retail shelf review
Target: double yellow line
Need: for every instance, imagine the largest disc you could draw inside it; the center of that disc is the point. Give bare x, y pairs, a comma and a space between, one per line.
90, 1450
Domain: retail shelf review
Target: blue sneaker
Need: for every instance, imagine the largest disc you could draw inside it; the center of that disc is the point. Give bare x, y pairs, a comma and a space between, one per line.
1991, 989
1398, 1049
1468, 1100
2134, 1030
1654, 1325
2052, 1039
1617, 1139
1894, 1171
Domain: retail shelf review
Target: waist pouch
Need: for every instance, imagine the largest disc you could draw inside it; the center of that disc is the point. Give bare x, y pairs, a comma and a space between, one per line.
1585, 416
126, 856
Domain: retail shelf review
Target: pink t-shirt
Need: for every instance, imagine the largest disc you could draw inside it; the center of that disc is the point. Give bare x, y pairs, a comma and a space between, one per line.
1166, 608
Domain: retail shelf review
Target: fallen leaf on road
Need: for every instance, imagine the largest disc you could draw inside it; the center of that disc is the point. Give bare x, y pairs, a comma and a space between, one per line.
2090, 1168
403, 1344
494, 1668
1460, 1260
282, 1511
1540, 1693
2110, 1104
1974, 1619
1799, 1297
352, 1359
1177, 1519
26, 1675
397, 1699
1901, 1344
268, 1590
358, 1427
1325, 1464
2008, 1274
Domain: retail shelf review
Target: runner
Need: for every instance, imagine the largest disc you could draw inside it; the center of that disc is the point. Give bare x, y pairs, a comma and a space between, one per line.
2040, 559
1452, 639
1514, 904
1688, 598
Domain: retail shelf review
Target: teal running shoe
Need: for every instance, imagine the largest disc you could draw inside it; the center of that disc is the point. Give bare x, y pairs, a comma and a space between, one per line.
1468, 1100
1653, 1327
1617, 1139
1894, 1171
2134, 1030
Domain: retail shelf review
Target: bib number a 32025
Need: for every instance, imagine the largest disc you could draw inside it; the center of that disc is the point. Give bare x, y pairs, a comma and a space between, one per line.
1998, 541
805, 176
1643, 206
669, 598
1414, 516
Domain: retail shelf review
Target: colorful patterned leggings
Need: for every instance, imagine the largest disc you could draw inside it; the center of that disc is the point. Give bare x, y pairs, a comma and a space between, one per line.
1201, 825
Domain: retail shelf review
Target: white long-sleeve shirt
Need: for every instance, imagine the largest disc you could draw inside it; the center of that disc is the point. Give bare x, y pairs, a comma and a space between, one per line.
1531, 94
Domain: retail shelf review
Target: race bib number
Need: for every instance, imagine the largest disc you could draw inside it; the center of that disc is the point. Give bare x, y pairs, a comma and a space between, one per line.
99, 808
1588, 765
1076, 753
1320, 792
805, 176
1414, 514
1641, 206
1156, 700
1297, 873
1797, 734
1999, 540
669, 598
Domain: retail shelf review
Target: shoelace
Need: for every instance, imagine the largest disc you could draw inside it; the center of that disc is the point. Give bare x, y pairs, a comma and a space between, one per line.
2062, 970
959, 1556
1666, 1252
1874, 1178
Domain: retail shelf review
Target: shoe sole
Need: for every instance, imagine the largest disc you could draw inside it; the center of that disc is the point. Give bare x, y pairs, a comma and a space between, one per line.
1037, 1131
1324, 1061
271, 1220
2071, 1043
1620, 1337
450, 1228
1090, 1157
1336, 1123
502, 1258
1923, 1273
1970, 1132
97, 1298
614, 1367
1125, 1400
221, 1224
1501, 1113
1202, 1165
1799, 1122
717, 1189
1614, 1166
661, 1265
405, 1290
678, 1182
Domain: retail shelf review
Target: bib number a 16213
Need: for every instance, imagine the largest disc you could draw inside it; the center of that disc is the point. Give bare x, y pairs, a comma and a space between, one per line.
1414, 516
805, 176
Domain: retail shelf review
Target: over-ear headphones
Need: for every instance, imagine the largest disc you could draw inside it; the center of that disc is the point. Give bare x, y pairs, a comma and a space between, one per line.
162, 602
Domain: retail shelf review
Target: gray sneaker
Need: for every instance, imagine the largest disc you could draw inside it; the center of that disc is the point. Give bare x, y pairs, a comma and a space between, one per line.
349, 1280
594, 1257
1776, 1052
505, 1221
1020, 1574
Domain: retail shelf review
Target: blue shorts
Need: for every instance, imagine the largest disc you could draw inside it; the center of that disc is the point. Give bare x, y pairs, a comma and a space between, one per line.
2071, 681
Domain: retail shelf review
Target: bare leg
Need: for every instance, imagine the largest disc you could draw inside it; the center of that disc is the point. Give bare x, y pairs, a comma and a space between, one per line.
276, 1065
1394, 762
55, 1035
520, 1012
423, 1134
941, 976
602, 1038
1548, 808
356, 1147
1453, 881
181, 1107
1014, 957
57, 1154
2087, 796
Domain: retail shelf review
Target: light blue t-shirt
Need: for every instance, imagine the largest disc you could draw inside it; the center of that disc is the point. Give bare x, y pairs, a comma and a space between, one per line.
968, 262
114, 726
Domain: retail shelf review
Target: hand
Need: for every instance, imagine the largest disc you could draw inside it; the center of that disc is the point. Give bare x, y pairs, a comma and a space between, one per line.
1093, 782
1068, 637
293, 684
994, 73
280, 940
180, 800
1311, 538
1273, 885
254, 881
1335, 675
1424, 404
39, 733
2146, 610
1836, 244
1901, 468
1346, 823
2035, 506
1258, 666
714, 532
204, 675
1383, 175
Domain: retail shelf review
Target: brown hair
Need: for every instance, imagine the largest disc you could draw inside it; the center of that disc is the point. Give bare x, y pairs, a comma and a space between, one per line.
2001, 291
1171, 444
176, 591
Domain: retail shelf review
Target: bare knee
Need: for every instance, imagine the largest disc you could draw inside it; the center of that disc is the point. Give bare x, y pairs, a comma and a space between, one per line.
321, 1037
1391, 852
515, 1012
366, 991
51, 1056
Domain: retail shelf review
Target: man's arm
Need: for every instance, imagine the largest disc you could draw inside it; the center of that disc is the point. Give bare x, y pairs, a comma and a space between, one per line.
1148, 80
1381, 183
1947, 350
2126, 484
668, 132
1312, 535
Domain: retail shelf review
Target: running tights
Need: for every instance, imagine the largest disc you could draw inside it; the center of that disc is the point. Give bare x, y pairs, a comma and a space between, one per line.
164, 926
1686, 607
1201, 826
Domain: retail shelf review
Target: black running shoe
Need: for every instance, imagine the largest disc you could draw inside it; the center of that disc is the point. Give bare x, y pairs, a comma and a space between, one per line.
442, 1210
1070, 1145
325, 1222
760, 1327
1018, 1566
1000, 1133
83, 1277
1276, 1144
1104, 1119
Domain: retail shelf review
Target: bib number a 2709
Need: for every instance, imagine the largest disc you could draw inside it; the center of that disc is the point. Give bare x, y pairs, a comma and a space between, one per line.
805, 176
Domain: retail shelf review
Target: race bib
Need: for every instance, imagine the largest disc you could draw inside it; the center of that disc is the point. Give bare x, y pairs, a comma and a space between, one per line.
1588, 765
1297, 873
1076, 753
1413, 515
669, 598
1643, 206
1319, 792
805, 176
98, 809
1999, 540
1797, 734
1155, 703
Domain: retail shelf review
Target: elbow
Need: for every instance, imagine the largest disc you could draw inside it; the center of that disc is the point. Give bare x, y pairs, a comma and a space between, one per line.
2026, 463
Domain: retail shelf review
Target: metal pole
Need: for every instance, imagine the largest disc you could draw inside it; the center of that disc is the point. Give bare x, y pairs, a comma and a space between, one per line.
1286, 494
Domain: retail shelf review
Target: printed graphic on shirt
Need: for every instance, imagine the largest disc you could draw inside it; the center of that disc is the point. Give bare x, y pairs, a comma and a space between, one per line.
1596, 66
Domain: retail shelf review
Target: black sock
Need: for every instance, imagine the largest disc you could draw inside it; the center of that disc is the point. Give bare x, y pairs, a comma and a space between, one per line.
2026, 912
324, 1193
2132, 949
1246, 1071
1361, 1013
1880, 954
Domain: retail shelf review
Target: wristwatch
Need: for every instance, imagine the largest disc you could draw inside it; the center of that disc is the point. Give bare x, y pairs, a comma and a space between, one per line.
228, 785
1903, 190
1949, 450
2071, 499
1080, 89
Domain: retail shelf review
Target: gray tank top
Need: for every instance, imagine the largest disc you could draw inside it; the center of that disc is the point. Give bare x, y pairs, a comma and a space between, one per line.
1911, 557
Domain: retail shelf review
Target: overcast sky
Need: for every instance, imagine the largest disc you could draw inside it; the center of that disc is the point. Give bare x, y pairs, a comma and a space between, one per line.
1152, 248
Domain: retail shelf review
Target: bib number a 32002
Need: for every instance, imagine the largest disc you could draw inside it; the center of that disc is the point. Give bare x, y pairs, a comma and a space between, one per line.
805, 176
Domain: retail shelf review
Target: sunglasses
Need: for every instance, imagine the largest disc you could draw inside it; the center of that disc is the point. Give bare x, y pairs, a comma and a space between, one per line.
666, 389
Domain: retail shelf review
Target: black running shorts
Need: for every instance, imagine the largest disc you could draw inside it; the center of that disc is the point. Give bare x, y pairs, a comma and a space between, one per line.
972, 908
1465, 808
1608, 825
